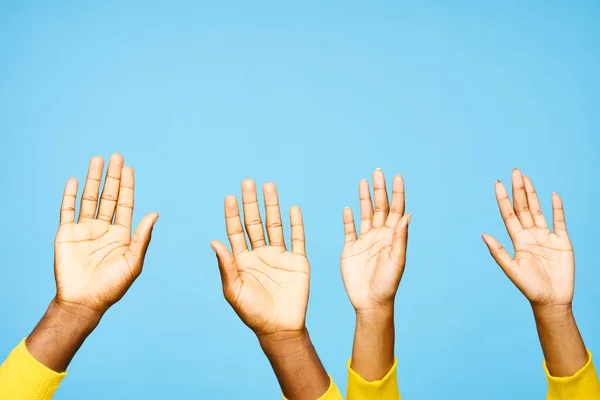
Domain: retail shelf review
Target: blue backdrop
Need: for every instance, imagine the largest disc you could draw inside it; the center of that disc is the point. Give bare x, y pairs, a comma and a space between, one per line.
313, 96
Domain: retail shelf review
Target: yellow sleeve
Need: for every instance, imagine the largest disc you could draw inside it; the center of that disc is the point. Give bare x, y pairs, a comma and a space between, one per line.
23, 377
333, 393
383, 389
583, 385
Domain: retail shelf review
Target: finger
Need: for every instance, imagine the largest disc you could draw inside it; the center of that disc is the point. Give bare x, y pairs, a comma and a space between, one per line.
499, 253
349, 228
227, 268
513, 226
397, 208
126, 199
252, 219
382, 207
233, 224
110, 192
534, 204
274, 226
140, 241
400, 240
297, 225
89, 198
520, 199
67, 208
558, 216
366, 207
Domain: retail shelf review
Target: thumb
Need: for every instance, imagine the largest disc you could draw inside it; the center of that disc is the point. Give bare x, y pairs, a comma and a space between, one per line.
400, 240
141, 239
500, 255
227, 267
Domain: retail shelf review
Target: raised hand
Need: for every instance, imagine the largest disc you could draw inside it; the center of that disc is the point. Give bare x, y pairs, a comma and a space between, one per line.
543, 267
372, 264
96, 259
267, 286
268, 289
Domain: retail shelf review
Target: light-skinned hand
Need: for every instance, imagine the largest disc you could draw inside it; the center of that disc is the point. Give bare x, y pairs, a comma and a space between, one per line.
96, 259
543, 267
266, 285
373, 263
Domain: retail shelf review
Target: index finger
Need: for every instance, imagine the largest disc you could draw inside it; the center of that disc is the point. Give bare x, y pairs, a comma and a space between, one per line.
233, 223
513, 226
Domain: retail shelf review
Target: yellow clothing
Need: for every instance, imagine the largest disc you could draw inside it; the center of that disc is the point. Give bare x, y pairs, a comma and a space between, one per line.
23, 377
583, 385
383, 389
333, 393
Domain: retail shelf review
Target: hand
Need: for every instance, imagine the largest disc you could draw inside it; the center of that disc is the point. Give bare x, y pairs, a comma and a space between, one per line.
96, 260
268, 285
543, 267
373, 264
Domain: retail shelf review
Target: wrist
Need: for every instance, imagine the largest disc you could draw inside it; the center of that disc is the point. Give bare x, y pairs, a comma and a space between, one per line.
59, 334
285, 344
373, 347
553, 313
73, 317
382, 315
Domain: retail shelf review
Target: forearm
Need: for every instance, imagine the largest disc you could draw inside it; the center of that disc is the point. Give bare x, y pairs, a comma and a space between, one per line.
59, 334
296, 365
563, 346
373, 349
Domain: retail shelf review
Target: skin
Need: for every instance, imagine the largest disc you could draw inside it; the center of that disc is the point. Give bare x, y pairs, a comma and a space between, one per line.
268, 287
372, 266
95, 261
543, 269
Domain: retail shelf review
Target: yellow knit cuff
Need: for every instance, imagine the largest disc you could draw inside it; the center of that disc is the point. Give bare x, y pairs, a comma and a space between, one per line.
333, 393
383, 389
23, 377
582, 385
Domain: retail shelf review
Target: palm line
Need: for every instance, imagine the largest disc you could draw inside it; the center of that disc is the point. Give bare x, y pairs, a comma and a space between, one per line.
279, 268
264, 274
85, 240
108, 254
257, 280
362, 251
105, 246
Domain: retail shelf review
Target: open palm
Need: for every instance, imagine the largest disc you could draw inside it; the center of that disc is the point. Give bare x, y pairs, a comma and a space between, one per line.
543, 267
267, 286
96, 260
372, 264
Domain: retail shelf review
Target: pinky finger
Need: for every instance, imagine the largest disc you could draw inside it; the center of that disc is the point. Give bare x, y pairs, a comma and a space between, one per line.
67, 208
297, 225
349, 228
558, 216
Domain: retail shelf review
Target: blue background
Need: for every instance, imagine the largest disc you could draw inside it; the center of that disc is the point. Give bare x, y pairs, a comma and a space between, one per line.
313, 96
